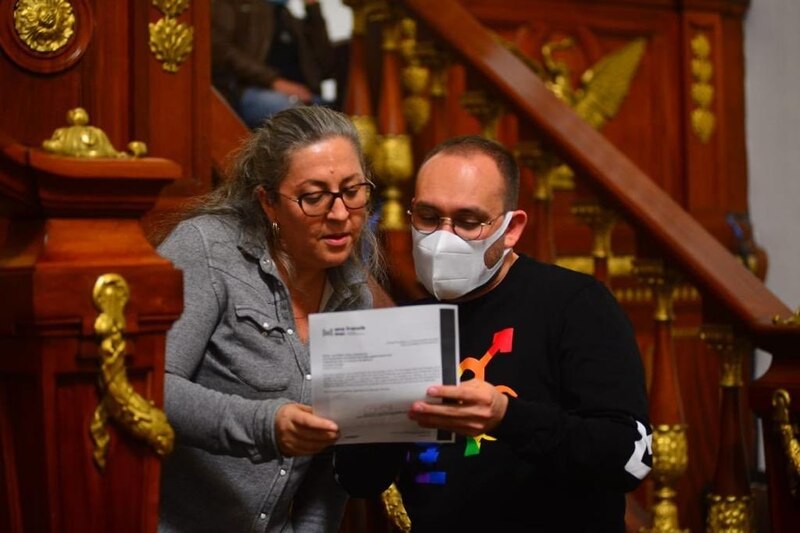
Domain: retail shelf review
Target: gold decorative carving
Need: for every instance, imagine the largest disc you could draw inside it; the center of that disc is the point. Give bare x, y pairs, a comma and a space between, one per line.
438, 62
531, 154
663, 280
79, 139
395, 510
390, 32
137, 148
601, 220
639, 295
670, 451
604, 86
171, 8
416, 78
788, 430
730, 514
367, 132
632, 295
359, 15
486, 110
44, 25
597, 100
394, 164
670, 457
618, 266
703, 119
730, 347
791, 320
135, 414
416, 108
171, 42
366, 10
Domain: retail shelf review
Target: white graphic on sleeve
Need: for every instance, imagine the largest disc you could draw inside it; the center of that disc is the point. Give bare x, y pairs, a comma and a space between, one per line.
635, 465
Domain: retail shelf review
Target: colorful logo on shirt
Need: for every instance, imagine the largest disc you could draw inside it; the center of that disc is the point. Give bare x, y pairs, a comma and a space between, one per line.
502, 342
426, 455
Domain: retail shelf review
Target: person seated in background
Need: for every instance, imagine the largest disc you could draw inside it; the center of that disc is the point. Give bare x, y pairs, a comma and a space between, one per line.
264, 59
283, 237
551, 412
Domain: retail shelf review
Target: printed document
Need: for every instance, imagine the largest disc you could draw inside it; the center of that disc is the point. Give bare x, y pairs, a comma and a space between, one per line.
369, 366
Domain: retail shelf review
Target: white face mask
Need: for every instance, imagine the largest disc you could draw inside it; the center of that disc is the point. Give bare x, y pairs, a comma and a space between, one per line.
450, 267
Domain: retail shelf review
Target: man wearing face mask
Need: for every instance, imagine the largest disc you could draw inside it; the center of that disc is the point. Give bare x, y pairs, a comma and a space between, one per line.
551, 413
264, 59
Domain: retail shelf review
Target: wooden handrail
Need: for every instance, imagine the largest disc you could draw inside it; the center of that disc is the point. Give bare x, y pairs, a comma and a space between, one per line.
228, 132
711, 266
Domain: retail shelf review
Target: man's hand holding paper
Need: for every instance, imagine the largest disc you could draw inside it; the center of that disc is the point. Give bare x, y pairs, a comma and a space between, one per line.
369, 368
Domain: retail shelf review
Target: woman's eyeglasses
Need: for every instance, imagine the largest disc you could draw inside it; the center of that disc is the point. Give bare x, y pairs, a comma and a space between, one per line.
318, 203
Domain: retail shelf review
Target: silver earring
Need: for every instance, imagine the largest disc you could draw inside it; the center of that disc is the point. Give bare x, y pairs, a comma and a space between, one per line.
275, 228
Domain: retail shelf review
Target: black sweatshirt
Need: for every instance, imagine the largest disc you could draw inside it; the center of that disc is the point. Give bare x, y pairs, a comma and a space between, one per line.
575, 436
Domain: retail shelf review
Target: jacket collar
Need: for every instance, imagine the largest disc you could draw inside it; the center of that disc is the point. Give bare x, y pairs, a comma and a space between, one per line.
347, 280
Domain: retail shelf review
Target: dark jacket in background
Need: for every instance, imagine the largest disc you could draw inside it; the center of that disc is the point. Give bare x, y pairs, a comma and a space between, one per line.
241, 36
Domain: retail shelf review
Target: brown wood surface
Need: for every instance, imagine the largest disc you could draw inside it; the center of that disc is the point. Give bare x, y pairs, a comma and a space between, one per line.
643, 203
228, 133
67, 221
83, 222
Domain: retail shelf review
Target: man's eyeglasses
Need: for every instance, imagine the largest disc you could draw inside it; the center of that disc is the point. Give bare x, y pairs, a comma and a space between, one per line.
318, 203
469, 228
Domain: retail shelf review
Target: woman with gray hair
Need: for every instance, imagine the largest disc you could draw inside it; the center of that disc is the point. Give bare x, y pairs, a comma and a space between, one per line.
285, 236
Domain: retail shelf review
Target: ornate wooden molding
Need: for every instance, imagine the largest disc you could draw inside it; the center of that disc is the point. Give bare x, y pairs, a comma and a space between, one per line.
171, 41
137, 415
702, 116
79, 139
45, 36
791, 320
45, 26
781, 400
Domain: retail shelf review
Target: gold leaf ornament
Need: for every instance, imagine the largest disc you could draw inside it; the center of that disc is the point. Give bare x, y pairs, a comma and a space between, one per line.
171, 42
171, 8
44, 25
120, 402
702, 90
80, 139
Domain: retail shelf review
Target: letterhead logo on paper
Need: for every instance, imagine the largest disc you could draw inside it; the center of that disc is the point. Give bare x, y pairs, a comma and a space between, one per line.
344, 331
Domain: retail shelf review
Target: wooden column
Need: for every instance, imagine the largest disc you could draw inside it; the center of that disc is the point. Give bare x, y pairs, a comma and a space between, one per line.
72, 352
358, 99
486, 109
730, 501
601, 221
535, 160
670, 447
393, 160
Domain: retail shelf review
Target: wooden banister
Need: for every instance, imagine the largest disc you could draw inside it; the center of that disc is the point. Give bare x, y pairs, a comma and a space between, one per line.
644, 205
228, 131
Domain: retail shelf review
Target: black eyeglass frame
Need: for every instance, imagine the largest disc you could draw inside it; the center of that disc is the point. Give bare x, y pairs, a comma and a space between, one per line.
333, 196
481, 225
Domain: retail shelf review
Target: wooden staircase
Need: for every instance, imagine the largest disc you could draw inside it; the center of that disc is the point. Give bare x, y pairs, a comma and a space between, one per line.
645, 213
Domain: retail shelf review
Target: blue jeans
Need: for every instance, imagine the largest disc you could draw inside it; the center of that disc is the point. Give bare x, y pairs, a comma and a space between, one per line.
258, 104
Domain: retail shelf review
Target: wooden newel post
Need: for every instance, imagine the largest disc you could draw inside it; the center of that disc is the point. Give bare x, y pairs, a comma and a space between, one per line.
86, 306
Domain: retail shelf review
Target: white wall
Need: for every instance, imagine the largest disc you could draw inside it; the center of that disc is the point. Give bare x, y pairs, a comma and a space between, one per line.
772, 43
338, 17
